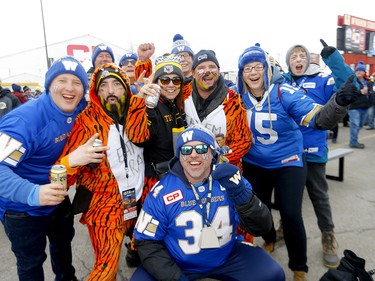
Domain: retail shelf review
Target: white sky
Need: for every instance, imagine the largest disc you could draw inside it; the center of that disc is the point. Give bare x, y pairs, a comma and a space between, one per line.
206, 24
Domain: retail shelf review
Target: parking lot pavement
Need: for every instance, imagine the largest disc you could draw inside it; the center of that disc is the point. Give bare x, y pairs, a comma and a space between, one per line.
353, 208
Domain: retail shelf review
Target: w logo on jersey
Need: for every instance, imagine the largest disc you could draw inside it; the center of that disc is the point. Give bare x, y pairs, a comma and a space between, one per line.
236, 178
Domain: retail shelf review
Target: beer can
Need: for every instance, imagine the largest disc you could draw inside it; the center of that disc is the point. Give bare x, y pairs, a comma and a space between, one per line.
152, 101
97, 143
58, 175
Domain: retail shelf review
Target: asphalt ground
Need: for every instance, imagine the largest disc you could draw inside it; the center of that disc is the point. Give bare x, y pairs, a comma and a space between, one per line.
353, 207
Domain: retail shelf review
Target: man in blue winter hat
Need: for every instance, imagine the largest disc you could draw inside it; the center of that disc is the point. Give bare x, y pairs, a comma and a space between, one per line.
127, 63
182, 48
102, 54
31, 206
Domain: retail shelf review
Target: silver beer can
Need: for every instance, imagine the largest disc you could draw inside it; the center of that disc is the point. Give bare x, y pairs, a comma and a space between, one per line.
152, 101
97, 143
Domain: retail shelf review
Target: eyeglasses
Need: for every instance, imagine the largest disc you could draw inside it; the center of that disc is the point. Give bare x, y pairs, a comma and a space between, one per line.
199, 148
166, 80
184, 55
258, 67
127, 62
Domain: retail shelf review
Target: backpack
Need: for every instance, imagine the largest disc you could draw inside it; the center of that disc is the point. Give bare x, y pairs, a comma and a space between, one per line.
351, 268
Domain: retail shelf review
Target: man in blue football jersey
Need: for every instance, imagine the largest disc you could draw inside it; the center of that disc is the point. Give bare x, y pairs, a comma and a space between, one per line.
187, 227
32, 208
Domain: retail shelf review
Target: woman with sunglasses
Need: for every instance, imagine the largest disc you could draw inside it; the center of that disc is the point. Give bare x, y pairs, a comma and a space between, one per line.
157, 128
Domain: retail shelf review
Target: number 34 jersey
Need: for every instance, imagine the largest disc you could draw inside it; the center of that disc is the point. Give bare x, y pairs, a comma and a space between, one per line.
172, 214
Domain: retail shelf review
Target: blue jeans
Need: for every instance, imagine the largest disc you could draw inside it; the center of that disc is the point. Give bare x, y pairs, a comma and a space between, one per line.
370, 116
357, 118
28, 236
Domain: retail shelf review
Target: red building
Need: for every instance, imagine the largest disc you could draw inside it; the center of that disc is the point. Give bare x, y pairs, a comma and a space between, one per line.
356, 38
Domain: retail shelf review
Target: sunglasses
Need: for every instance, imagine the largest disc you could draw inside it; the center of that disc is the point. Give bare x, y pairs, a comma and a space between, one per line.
166, 80
127, 62
188, 149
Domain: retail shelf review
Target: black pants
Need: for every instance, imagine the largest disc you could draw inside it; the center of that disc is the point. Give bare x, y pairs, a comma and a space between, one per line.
288, 184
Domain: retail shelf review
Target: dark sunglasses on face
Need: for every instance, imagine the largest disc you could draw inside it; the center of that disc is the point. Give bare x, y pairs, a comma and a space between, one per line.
166, 80
127, 62
199, 148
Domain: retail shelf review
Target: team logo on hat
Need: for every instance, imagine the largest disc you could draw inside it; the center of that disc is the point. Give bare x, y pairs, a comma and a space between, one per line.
168, 69
202, 57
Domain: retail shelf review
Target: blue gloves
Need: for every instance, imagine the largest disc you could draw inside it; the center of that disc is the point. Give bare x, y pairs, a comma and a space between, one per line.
348, 92
229, 176
327, 50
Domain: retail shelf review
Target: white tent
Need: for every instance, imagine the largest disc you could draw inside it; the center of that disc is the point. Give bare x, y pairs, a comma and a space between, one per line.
32, 64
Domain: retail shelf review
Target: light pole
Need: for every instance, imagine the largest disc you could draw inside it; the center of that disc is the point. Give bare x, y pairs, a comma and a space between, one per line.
45, 37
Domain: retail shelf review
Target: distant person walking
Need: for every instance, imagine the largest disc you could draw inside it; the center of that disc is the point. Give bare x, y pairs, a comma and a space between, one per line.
358, 109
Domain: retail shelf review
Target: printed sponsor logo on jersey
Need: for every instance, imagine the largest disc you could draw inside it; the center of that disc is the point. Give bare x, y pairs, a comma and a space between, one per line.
290, 159
309, 85
173, 197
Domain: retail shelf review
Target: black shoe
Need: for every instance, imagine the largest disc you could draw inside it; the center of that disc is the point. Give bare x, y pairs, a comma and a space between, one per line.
370, 128
357, 145
132, 258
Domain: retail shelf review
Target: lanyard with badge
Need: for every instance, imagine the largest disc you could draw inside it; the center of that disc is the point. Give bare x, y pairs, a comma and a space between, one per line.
208, 238
129, 200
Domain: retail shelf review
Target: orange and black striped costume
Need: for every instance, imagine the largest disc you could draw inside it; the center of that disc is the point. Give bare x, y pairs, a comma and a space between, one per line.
105, 215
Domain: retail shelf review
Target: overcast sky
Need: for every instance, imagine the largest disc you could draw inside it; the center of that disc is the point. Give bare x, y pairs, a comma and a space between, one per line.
226, 28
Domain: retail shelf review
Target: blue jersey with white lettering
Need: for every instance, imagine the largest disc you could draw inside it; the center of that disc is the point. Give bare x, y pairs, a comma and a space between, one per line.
32, 137
274, 122
319, 87
171, 214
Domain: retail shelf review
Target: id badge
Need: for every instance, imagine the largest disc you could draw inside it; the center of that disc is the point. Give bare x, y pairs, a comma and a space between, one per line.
129, 202
208, 238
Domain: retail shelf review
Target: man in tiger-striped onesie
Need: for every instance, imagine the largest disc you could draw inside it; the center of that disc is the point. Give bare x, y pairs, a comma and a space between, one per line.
116, 183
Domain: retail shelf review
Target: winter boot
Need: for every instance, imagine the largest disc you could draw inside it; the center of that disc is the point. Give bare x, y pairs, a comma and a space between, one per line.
329, 244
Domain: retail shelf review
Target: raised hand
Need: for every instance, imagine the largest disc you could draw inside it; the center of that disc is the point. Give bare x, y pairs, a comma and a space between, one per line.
229, 176
327, 50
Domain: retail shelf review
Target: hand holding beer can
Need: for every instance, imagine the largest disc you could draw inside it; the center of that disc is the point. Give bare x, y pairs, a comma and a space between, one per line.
97, 143
152, 101
58, 175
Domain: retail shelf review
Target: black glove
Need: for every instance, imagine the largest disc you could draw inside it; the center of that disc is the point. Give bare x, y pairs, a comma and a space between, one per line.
355, 265
327, 50
229, 176
348, 92
350, 261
